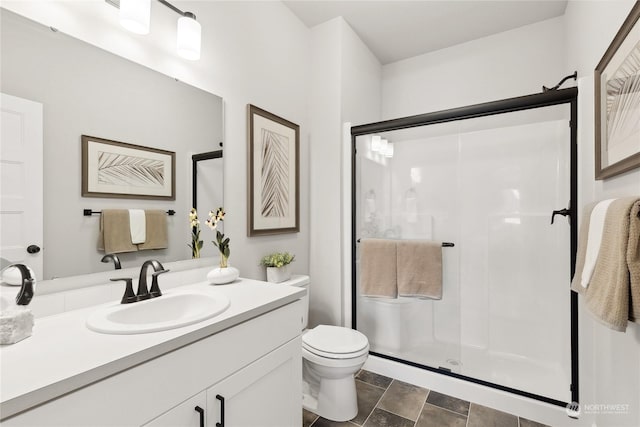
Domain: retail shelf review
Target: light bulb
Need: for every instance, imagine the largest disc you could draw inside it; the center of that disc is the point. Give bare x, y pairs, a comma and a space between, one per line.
375, 143
189, 37
135, 15
388, 150
383, 145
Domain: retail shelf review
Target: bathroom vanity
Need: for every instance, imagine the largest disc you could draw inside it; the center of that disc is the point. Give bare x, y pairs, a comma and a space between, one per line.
239, 368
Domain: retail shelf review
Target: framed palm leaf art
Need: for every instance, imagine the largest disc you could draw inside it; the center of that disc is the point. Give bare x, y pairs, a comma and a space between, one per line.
120, 170
274, 174
617, 102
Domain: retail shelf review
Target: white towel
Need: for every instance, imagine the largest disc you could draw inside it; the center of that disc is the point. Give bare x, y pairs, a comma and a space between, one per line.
594, 239
138, 226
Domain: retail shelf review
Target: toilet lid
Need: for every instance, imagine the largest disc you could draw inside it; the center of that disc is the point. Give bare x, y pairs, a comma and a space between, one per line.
334, 340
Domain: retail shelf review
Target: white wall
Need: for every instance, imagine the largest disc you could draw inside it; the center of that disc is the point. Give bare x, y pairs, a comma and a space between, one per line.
253, 52
512, 63
610, 361
344, 87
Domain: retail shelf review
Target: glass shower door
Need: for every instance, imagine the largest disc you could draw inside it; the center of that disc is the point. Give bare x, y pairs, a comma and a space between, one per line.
488, 185
406, 196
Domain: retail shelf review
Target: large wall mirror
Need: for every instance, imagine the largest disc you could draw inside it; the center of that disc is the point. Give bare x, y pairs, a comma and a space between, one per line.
85, 90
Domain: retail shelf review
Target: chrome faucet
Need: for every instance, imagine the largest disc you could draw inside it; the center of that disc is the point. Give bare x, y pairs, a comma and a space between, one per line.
26, 290
114, 258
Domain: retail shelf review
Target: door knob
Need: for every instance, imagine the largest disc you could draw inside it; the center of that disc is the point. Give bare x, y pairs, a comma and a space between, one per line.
33, 249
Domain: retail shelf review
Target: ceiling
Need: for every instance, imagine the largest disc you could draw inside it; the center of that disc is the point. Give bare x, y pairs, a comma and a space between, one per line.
396, 30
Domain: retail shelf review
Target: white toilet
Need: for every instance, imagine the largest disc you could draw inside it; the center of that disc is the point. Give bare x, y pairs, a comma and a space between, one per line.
332, 355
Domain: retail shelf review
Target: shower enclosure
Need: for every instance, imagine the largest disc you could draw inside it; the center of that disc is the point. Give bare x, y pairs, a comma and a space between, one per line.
497, 183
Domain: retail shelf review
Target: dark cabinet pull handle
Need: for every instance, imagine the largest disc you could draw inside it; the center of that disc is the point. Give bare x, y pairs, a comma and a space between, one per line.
221, 399
33, 249
201, 412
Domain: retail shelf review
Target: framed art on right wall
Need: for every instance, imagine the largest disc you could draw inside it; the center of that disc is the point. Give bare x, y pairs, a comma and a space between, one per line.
617, 102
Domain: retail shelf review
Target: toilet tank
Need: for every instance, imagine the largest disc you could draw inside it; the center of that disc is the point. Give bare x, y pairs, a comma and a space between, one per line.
302, 282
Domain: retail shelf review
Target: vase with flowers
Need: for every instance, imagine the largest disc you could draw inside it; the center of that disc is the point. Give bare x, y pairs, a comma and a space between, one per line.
224, 273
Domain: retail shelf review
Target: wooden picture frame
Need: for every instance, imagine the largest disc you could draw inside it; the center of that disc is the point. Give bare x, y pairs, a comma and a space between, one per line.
617, 102
120, 170
273, 174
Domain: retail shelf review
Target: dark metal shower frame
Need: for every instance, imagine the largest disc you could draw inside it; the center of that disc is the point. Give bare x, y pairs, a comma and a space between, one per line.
545, 99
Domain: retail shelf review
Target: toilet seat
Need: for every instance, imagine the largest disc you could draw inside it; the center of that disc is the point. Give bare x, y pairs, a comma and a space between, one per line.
335, 342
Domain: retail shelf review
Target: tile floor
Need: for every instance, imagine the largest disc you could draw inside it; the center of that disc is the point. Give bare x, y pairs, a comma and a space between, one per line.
385, 402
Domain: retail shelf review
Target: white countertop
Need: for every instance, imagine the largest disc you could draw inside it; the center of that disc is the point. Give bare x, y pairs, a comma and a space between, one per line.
63, 355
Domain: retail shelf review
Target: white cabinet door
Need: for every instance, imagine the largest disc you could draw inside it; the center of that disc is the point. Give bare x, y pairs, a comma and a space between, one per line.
183, 415
266, 393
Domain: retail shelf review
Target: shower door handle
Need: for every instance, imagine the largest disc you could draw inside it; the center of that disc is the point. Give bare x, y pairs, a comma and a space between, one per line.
563, 212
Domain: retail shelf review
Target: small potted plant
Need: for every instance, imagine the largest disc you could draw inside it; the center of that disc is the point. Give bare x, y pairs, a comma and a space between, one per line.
277, 265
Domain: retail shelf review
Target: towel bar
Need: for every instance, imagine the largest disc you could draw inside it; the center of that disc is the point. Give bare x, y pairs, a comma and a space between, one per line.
444, 244
89, 212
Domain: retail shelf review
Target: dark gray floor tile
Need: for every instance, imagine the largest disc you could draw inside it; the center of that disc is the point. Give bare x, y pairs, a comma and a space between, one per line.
382, 418
434, 416
323, 422
368, 397
404, 399
448, 402
374, 379
308, 418
528, 423
481, 416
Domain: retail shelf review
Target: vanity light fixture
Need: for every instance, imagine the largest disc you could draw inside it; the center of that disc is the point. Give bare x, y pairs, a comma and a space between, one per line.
135, 16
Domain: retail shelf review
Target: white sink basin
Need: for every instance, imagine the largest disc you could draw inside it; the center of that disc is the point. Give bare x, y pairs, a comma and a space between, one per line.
168, 311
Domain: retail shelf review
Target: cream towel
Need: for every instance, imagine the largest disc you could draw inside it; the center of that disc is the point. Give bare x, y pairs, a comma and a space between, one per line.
378, 268
115, 236
137, 226
157, 230
594, 239
613, 295
420, 269
633, 262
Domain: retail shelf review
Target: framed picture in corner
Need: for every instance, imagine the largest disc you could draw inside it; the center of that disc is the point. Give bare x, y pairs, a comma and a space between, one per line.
617, 102
273, 174
119, 170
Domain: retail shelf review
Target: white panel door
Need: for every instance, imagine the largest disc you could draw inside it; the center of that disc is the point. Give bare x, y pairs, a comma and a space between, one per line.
21, 213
